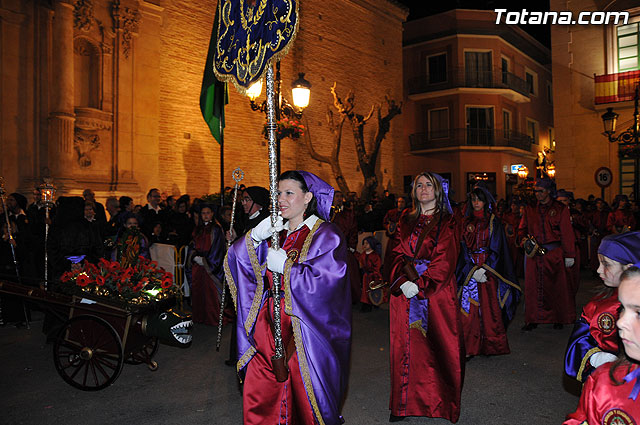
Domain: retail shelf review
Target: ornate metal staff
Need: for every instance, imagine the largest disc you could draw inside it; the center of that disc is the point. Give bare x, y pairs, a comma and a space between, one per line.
48, 191
3, 194
11, 239
238, 175
278, 361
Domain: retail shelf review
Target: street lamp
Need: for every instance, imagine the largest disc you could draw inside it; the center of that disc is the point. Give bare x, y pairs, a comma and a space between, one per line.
551, 170
523, 172
628, 140
48, 192
300, 93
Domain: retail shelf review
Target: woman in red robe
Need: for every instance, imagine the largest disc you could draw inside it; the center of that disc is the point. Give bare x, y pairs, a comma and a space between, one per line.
621, 219
206, 255
427, 347
370, 266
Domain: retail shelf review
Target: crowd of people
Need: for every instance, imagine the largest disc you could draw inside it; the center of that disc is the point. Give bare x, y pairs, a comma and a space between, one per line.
452, 273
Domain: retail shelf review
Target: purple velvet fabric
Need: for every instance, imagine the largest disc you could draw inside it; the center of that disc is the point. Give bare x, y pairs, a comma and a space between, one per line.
323, 192
623, 248
445, 188
320, 301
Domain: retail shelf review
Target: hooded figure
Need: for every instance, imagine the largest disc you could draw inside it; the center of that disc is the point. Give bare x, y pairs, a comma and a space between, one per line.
315, 308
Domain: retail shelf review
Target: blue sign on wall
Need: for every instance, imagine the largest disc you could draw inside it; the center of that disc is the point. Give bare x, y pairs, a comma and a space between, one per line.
514, 168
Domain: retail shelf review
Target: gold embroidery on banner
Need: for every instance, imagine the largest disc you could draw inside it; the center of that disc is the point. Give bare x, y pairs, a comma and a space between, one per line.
502, 278
248, 69
257, 297
233, 290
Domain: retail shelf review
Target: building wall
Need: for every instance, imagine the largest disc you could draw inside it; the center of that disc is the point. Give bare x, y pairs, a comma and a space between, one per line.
579, 52
151, 130
455, 33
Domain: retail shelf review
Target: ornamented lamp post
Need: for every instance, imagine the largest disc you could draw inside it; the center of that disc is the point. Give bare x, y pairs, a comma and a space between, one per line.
300, 93
523, 172
551, 170
48, 191
628, 141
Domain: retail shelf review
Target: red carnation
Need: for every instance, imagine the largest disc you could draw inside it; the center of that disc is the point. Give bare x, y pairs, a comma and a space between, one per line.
166, 283
83, 280
100, 280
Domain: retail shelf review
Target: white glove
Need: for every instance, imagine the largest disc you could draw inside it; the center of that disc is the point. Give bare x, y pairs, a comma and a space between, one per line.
601, 357
480, 275
409, 289
276, 260
569, 262
198, 261
264, 230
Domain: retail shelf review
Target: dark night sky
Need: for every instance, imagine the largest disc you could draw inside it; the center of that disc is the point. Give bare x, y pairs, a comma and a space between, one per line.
422, 8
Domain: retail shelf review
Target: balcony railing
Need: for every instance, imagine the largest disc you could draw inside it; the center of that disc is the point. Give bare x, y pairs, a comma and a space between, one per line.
619, 87
459, 77
469, 137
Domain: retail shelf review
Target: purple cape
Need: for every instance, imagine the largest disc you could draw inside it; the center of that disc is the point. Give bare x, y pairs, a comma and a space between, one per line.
318, 299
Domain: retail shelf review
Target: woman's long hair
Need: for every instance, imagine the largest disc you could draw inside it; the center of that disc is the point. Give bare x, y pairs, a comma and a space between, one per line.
481, 195
200, 227
439, 192
312, 206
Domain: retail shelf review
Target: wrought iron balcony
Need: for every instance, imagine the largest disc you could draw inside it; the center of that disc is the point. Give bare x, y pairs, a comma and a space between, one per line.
469, 137
459, 77
619, 87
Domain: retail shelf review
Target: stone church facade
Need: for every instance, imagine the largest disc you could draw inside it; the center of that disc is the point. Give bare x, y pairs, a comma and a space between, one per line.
104, 94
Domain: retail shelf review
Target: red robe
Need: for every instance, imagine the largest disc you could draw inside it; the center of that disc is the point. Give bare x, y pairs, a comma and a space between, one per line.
427, 369
511, 222
599, 224
205, 304
370, 264
620, 221
604, 402
484, 330
265, 400
345, 219
390, 223
548, 291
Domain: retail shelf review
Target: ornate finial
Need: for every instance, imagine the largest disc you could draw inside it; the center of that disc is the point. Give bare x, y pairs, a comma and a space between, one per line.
238, 175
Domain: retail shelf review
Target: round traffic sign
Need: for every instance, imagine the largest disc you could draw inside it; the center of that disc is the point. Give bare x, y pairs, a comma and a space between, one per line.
603, 177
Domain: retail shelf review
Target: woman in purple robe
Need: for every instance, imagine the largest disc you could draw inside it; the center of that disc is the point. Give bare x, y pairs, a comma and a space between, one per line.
315, 309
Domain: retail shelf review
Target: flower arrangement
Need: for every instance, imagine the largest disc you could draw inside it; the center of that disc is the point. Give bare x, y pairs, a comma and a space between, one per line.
138, 284
286, 128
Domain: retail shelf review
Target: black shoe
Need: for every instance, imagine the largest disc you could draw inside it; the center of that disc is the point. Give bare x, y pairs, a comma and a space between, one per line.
558, 326
529, 327
394, 418
230, 362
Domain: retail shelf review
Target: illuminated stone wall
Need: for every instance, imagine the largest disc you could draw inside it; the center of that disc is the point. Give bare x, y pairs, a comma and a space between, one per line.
105, 95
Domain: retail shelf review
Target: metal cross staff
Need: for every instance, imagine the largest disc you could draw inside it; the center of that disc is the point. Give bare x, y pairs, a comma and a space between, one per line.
48, 191
238, 175
12, 242
278, 361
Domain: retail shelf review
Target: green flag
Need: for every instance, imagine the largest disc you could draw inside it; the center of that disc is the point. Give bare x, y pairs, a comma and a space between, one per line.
213, 94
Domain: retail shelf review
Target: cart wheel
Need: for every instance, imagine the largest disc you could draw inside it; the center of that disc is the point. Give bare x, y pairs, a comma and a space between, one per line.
145, 354
153, 366
88, 353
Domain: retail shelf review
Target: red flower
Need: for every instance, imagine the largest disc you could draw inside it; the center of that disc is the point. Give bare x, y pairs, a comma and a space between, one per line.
138, 287
99, 280
83, 280
66, 276
167, 283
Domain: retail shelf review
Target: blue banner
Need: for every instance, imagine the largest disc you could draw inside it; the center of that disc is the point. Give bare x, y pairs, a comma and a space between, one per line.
252, 34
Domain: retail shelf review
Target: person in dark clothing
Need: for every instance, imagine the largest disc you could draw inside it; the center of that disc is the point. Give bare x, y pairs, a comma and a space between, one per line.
37, 221
152, 213
72, 236
180, 224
